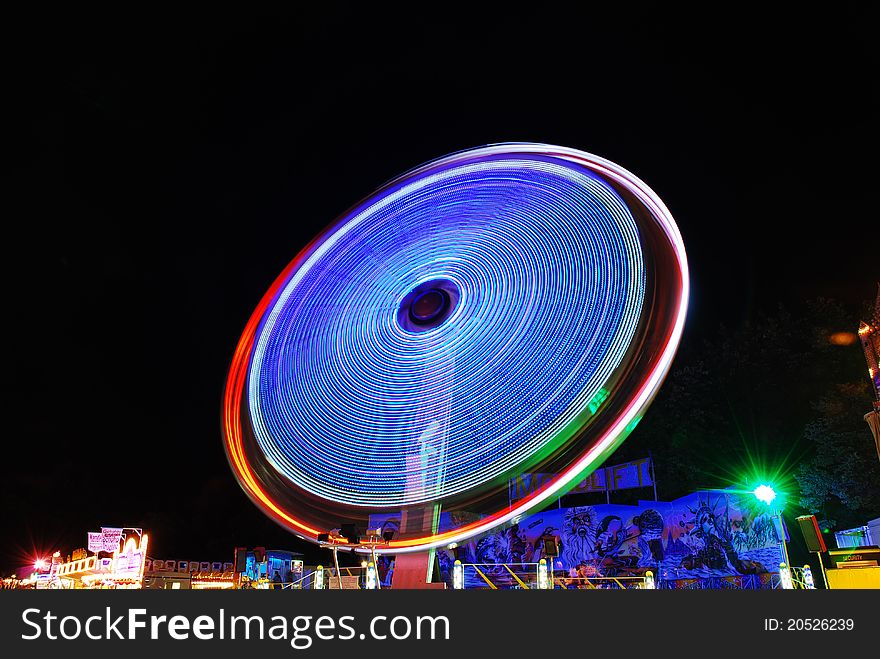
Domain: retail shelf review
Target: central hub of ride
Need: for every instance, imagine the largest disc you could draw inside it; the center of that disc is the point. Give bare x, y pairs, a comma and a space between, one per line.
428, 305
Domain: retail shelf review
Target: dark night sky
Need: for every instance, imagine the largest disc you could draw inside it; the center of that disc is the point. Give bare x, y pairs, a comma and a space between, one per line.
169, 167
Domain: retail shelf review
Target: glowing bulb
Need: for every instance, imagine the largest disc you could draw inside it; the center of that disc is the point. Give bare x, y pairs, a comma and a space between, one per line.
543, 577
785, 577
372, 581
764, 493
808, 578
457, 575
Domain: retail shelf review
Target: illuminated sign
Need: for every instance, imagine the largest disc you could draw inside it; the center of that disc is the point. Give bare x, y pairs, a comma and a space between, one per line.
129, 564
112, 537
125, 570
96, 541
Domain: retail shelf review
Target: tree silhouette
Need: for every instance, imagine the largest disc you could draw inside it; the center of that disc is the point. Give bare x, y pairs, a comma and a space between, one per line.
841, 482
772, 399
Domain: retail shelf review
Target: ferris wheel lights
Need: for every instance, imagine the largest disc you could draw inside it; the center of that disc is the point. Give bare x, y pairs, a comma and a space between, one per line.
496, 308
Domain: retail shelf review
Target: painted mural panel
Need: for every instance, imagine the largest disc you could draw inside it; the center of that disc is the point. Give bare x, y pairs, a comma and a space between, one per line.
703, 536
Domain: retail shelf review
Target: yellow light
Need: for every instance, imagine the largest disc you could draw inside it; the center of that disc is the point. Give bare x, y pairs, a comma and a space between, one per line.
218, 584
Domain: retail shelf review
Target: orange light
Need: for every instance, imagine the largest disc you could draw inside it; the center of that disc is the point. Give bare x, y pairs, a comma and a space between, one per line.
842, 338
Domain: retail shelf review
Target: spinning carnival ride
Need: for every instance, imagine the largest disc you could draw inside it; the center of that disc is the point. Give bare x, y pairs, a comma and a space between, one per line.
505, 309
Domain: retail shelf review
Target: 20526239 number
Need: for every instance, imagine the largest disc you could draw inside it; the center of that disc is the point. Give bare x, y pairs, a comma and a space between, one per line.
820, 624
